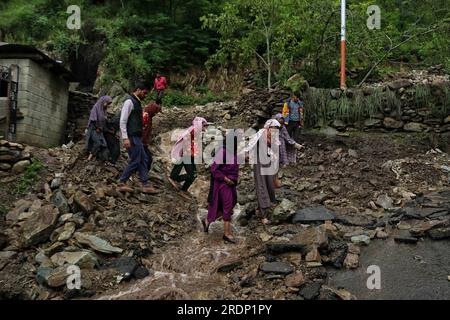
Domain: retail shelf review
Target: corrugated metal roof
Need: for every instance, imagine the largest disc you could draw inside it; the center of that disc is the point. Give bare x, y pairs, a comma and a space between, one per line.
21, 51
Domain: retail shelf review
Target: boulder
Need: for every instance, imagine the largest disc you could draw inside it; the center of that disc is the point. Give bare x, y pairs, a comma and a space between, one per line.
21, 166
295, 280
96, 243
351, 261
310, 291
60, 201
84, 203
414, 127
361, 239
439, 234
277, 268
83, 259
312, 237
385, 201
391, 123
283, 211
315, 214
40, 226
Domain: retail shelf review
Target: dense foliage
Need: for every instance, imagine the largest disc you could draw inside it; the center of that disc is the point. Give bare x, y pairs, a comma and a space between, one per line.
284, 37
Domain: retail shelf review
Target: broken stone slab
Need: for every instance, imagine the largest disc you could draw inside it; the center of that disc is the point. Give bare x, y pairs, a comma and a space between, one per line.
312, 236
57, 277
313, 256
314, 214
40, 226
96, 243
385, 202
439, 234
310, 291
422, 213
19, 207
84, 203
419, 230
277, 268
284, 247
83, 259
60, 201
295, 280
64, 233
230, 265
407, 240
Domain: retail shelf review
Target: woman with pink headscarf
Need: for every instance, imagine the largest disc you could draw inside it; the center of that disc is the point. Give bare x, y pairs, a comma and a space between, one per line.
183, 153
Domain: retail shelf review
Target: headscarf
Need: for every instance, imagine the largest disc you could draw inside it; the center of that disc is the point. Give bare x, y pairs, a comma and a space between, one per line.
197, 126
278, 116
98, 113
253, 142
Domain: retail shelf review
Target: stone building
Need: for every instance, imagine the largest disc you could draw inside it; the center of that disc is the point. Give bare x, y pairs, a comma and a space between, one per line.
34, 90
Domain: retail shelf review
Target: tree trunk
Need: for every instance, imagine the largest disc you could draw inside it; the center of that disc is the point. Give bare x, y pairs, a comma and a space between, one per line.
269, 63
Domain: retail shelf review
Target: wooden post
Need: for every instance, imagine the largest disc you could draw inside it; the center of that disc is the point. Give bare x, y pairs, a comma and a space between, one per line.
343, 45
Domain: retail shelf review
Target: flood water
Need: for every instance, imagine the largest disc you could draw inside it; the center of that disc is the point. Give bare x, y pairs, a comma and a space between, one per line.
408, 271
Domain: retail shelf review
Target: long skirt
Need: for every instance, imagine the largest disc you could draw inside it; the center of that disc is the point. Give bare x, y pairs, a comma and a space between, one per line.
265, 189
95, 141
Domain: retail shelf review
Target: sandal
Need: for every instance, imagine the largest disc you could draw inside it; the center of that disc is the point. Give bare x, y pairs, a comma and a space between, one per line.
226, 239
205, 227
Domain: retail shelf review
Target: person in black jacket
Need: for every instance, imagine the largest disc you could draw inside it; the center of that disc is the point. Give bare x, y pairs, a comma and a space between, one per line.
131, 127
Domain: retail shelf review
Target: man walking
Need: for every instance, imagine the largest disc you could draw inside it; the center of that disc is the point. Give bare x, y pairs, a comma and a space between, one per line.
131, 127
295, 113
160, 85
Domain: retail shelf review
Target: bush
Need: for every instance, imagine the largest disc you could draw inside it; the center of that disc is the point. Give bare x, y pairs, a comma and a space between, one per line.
29, 177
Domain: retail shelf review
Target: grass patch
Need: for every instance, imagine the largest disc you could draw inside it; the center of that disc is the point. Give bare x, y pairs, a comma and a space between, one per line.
178, 98
29, 177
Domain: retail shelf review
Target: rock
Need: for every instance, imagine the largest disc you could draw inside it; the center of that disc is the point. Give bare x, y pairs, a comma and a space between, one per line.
439, 234
397, 84
127, 266
19, 207
228, 266
283, 211
42, 275
65, 217
58, 277
329, 131
382, 235
40, 226
409, 240
335, 189
313, 256
141, 273
295, 280
313, 264
391, 123
5, 166
5, 257
385, 201
84, 202
419, 230
56, 183
403, 226
352, 248
309, 215
338, 124
60, 201
277, 268
335, 93
414, 127
371, 123
83, 259
65, 233
310, 291
96, 243
338, 253
352, 153
312, 237
279, 248
21, 166
328, 293
351, 261
361, 239
265, 237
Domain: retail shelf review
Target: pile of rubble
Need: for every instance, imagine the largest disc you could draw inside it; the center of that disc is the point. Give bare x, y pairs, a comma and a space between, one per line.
13, 156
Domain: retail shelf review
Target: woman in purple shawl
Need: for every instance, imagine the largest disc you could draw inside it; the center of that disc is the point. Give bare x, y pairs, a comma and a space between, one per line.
223, 195
95, 139
288, 146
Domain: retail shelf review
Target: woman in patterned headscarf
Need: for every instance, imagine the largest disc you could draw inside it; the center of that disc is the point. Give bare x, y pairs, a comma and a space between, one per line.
288, 146
95, 139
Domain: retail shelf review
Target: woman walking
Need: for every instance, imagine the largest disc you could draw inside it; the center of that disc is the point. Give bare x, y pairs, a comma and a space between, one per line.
223, 195
95, 139
266, 167
288, 146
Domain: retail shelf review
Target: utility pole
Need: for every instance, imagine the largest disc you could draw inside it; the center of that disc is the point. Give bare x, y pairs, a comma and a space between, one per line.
343, 45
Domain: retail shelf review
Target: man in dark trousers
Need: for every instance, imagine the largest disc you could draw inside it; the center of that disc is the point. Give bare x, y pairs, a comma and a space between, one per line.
131, 127
295, 117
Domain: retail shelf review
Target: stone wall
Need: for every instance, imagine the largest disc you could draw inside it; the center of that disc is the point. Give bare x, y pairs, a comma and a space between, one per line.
3, 115
80, 105
13, 157
399, 105
42, 100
